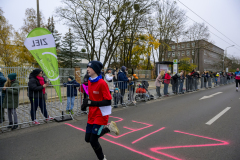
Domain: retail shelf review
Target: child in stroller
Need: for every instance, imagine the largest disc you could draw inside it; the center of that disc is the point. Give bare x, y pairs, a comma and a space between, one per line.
143, 93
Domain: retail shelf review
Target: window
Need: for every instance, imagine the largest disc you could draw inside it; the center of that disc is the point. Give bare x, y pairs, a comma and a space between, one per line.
173, 54
183, 45
179, 46
173, 46
169, 54
162, 59
188, 53
179, 54
193, 44
193, 53
188, 45
163, 54
183, 53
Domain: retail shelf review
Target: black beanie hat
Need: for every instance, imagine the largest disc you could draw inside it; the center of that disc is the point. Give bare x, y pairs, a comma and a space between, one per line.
96, 66
71, 77
36, 72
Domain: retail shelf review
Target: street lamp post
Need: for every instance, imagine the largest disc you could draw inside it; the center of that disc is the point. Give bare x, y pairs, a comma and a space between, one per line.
38, 16
226, 54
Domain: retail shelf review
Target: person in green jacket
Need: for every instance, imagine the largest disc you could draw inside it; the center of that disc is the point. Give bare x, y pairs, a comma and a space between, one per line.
11, 99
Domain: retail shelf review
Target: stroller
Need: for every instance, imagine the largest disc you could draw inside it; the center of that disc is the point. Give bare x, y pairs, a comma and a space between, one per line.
142, 92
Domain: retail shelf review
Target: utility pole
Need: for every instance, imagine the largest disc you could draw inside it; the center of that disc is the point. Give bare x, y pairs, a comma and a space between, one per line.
38, 16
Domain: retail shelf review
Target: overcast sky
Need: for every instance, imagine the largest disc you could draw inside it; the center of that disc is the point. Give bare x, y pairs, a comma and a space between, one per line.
224, 15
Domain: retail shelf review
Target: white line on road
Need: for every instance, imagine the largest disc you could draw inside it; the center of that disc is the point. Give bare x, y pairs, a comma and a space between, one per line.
205, 97
218, 116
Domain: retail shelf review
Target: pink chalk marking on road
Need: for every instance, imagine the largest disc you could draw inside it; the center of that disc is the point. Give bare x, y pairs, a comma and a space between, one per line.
119, 144
120, 119
129, 128
148, 135
156, 150
132, 130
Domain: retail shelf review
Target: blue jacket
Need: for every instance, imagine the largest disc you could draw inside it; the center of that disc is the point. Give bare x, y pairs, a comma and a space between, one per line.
71, 88
122, 78
2, 81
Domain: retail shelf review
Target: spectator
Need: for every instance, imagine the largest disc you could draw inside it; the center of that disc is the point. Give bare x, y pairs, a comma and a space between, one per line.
205, 77
71, 85
116, 97
181, 80
210, 78
175, 79
122, 82
158, 83
2, 81
36, 92
11, 99
102, 73
132, 85
189, 83
109, 79
196, 77
166, 78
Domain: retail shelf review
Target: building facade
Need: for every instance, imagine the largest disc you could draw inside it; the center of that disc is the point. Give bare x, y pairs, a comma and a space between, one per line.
202, 53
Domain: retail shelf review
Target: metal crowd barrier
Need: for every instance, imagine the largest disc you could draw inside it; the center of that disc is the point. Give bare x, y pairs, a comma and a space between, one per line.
54, 108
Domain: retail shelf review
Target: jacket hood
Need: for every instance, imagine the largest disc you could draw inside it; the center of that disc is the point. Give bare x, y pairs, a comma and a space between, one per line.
32, 76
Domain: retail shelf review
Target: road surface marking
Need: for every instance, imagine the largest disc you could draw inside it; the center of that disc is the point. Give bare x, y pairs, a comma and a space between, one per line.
205, 97
218, 116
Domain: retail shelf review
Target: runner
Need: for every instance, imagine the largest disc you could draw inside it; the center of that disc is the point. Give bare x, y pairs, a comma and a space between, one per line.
99, 103
237, 78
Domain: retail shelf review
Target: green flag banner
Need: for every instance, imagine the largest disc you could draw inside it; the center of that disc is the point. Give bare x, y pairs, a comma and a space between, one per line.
41, 44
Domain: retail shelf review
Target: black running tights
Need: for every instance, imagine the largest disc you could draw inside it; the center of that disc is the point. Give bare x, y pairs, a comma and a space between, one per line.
93, 140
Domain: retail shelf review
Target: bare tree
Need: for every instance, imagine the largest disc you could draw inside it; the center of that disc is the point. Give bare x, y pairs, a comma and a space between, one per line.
170, 22
198, 35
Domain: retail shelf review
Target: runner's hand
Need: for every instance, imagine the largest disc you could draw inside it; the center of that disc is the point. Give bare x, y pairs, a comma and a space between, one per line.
88, 102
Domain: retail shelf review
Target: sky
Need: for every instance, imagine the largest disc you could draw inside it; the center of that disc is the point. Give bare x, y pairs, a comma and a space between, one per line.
224, 15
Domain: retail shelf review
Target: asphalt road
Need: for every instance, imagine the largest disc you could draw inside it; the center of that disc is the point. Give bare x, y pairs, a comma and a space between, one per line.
172, 128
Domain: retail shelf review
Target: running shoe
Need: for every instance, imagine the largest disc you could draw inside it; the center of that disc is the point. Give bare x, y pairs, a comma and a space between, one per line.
36, 122
236, 90
72, 112
104, 158
113, 128
49, 118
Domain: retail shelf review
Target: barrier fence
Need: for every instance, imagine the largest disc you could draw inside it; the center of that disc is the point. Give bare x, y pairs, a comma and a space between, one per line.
19, 104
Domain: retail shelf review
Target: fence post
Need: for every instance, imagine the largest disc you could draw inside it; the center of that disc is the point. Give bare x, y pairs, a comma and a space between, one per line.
152, 74
78, 74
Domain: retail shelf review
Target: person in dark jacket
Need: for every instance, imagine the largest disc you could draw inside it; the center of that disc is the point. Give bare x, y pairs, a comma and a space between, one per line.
11, 99
181, 80
189, 82
122, 82
116, 97
205, 79
196, 77
36, 93
2, 81
71, 85
102, 73
175, 79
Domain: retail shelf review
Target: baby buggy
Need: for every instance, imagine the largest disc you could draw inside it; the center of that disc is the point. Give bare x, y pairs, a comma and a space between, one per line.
142, 93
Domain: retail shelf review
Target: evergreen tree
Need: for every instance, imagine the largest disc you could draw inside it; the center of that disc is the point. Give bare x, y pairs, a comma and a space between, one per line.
69, 56
57, 36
